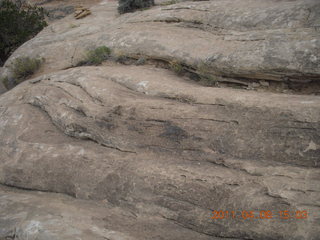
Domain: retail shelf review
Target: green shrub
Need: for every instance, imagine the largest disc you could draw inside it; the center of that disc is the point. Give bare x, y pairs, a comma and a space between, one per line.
176, 67
170, 2
96, 56
23, 67
120, 56
5, 82
18, 23
141, 61
206, 77
126, 6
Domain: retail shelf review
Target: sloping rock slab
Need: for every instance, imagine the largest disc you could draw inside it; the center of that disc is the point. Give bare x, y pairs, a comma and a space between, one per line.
264, 39
49, 216
144, 139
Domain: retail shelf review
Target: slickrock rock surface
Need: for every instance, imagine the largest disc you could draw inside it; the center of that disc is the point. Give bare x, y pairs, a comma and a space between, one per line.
136, 152
46, 216
268, 40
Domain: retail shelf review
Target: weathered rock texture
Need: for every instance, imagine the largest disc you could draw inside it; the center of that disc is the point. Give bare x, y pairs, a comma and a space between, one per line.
144, 139
151, 154
246, 39
68, 218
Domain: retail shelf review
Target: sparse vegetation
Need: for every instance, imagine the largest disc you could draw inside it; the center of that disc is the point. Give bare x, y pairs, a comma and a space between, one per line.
23, 67
209, 80
203, 72
126, 6
176, 67
170, 2
95, 56
74, 25
19, 22
141, 61
5, 82
180, 97
120, 57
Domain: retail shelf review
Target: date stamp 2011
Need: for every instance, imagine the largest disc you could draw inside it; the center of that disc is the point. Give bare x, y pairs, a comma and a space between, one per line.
262, 214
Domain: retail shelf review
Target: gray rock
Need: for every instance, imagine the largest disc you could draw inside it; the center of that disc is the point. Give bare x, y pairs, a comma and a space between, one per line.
49, 216
143, 139
144, 154
253, 39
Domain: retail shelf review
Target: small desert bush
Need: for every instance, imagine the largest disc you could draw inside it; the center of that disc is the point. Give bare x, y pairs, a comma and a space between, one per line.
170, 2
96, 56
176, 67
205, 74
120, 56
5, 82
141, 61
24, 67
21, 68
126, 6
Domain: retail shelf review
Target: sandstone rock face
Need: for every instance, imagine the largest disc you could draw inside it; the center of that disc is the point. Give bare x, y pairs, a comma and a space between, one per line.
265, 39
68, 218
136, 152
144, 139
